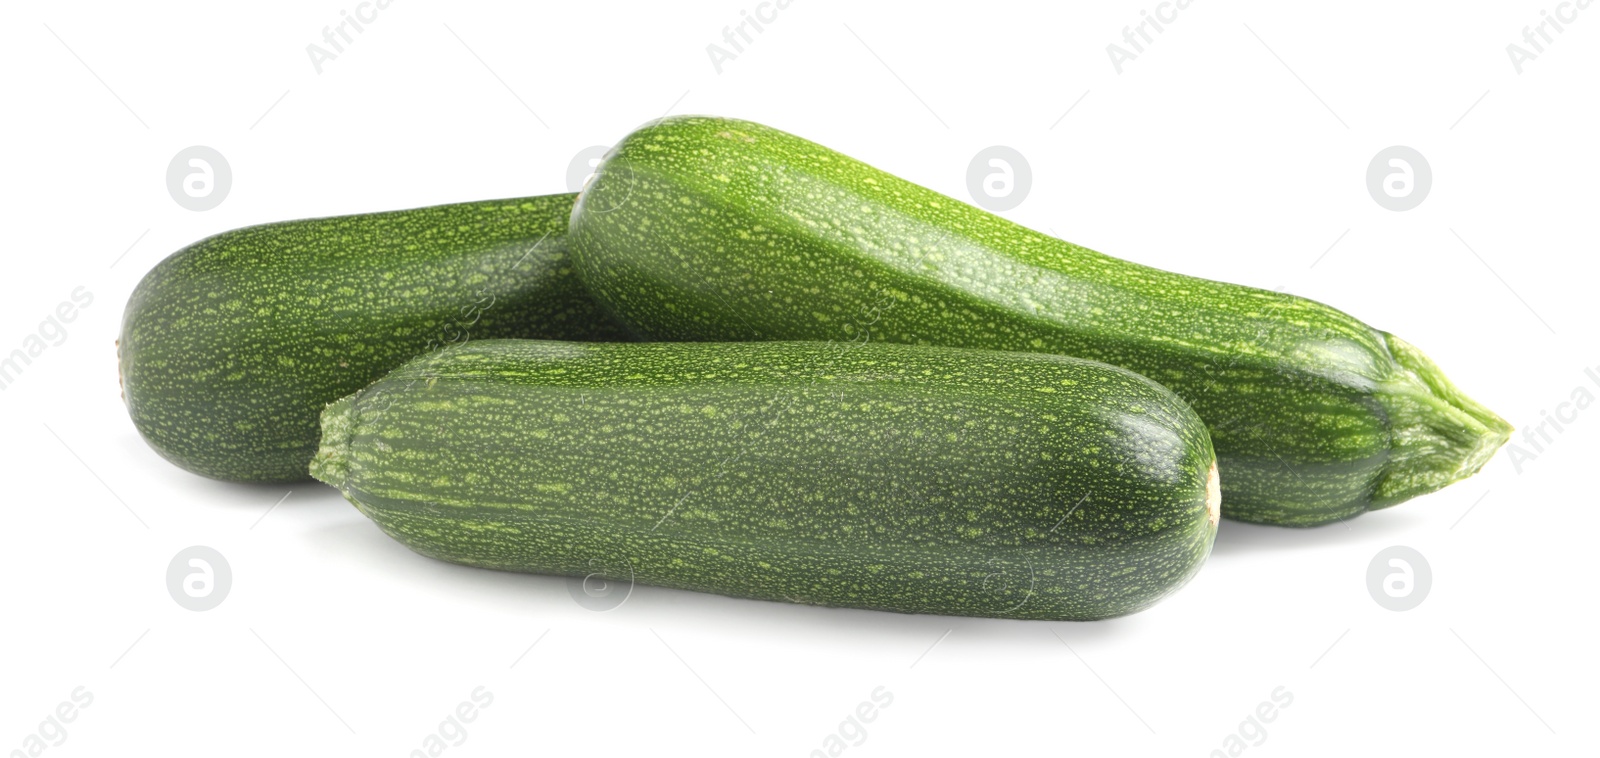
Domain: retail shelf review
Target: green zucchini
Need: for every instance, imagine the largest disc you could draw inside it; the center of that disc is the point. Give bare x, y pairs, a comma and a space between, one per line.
697, 228
232, 346
893, 477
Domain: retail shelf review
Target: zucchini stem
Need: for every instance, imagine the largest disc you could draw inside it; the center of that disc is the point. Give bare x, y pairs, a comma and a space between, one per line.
332, 461
1441, 436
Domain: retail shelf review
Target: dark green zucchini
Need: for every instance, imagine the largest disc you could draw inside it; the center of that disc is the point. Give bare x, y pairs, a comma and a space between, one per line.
231, 347
894, 477
699, 228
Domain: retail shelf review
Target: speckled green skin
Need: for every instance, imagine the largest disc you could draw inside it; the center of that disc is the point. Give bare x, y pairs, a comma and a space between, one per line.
701, 228
231, 346
893, 477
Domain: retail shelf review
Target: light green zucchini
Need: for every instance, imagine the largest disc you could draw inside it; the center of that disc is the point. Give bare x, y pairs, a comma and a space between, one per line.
698, 228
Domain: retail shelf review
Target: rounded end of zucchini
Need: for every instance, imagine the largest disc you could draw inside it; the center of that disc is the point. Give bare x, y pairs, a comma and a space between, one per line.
1213, 495
1441, 436
332, 461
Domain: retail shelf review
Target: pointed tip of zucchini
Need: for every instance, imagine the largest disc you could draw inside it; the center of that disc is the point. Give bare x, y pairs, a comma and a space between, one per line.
1441, 435
332, 461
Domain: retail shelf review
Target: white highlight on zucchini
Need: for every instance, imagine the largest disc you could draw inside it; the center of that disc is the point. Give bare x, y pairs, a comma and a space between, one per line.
1213, 495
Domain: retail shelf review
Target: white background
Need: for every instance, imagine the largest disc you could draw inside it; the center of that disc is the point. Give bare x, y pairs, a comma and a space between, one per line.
1208, 154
